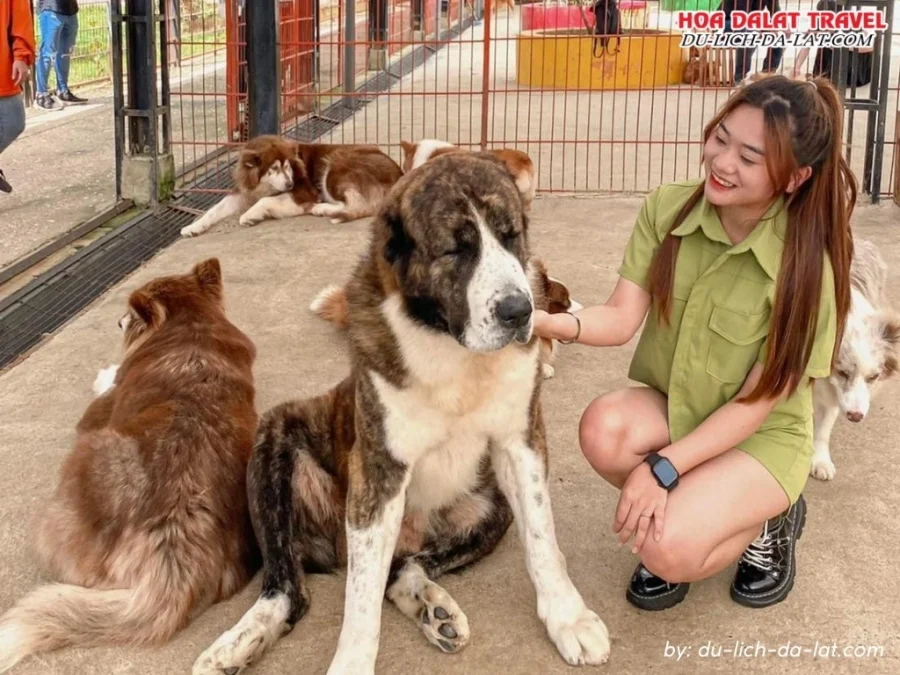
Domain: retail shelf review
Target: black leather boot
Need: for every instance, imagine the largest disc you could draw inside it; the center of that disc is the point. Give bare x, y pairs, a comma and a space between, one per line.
765, 573
648, 591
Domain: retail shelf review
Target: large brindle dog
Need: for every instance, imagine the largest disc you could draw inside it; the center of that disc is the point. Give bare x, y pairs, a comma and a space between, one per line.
417, 463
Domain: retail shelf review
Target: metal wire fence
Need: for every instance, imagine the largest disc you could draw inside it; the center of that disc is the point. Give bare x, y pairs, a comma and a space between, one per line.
192, 25
596, 115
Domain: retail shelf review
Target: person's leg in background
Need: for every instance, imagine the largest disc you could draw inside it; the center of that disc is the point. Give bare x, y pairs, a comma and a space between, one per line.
12, 124
63, 60
51, 29
743, 56
773, 60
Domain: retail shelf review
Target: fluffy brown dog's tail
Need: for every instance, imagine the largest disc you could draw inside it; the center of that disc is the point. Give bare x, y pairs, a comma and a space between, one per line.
331, 305
61, 615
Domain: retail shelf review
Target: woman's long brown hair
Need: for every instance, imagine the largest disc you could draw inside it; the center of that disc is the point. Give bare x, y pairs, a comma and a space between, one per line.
803, 128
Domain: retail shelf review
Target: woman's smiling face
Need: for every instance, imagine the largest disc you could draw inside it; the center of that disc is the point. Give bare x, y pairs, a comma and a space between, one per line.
736, 173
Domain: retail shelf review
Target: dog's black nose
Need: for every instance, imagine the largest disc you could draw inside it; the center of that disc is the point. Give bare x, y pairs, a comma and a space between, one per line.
514, 310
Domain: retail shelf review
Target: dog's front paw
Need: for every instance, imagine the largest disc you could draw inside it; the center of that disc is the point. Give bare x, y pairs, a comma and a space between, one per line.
822, 468
582, 641
547, 370
105, 380
193, 230
251, 218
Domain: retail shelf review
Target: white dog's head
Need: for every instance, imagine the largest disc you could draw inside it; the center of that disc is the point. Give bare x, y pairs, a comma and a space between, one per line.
867, 357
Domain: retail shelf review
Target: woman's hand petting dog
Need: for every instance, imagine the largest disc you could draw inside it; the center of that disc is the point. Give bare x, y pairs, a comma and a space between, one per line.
642, 502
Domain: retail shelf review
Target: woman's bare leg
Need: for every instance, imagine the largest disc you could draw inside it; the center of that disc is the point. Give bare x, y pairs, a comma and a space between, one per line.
718, 509
618, 429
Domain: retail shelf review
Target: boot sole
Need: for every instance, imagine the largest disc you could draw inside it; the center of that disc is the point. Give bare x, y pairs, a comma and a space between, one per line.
658, 602
779, 594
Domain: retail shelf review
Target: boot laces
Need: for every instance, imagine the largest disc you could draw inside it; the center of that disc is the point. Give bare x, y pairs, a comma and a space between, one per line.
762, 550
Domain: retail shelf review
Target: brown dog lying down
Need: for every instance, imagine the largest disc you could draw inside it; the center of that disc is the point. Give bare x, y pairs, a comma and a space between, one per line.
149, 523
331, 304
519, 164
280, 178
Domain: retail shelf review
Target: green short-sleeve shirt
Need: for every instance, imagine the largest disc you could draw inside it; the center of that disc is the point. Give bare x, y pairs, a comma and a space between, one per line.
722, 303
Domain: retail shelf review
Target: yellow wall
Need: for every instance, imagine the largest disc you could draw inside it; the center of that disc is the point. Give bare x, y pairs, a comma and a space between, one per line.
567, 61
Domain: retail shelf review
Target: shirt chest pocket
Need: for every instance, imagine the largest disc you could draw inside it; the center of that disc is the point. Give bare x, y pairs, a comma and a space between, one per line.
735, 340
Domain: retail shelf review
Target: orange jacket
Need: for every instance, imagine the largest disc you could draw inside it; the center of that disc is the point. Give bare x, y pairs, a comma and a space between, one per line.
16, 41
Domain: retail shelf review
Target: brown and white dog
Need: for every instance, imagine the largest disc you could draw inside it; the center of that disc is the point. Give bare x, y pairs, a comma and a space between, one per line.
868, 357
279, 178
417, 463
149, 523
331, 304
517, 162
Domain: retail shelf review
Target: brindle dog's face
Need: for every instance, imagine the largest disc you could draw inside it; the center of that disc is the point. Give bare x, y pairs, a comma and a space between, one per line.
456, 237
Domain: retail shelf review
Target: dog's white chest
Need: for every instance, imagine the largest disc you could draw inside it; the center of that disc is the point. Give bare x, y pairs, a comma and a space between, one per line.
442, 423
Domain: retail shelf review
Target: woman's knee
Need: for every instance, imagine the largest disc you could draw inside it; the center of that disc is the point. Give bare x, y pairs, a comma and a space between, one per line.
603, 434
673, 558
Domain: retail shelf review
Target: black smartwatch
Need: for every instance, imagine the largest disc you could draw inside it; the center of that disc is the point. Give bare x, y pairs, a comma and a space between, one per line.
663, 470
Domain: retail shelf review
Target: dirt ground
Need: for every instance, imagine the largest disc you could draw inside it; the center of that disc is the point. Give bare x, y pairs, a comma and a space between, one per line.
846, 588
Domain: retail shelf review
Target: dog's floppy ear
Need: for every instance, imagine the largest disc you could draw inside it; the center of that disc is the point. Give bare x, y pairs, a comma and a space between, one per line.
559, 296
250, 159
409, 152
209, 277
398, 245
890, 329
890, 333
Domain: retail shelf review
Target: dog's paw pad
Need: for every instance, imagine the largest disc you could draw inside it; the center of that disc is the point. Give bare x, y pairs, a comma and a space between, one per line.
586, 641
823, 469
443, 622
547, 370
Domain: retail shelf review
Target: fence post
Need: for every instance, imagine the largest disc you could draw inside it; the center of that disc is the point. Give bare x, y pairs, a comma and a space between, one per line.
349, 51
486, 70
148, 169
378, 21
263, 67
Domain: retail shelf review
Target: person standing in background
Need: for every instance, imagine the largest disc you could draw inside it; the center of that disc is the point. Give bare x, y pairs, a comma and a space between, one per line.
824, 56
743, 61
58, 21
16, 59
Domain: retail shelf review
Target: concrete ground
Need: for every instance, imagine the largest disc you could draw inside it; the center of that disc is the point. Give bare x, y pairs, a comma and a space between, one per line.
62, 168
847, 585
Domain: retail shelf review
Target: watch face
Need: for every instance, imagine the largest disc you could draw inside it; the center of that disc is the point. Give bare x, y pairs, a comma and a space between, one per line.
665, 471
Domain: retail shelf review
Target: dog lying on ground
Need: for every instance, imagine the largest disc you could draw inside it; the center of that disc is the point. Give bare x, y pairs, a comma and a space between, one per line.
278, 178
417, 463
517, 162
149, 523
331, 304
868, 355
